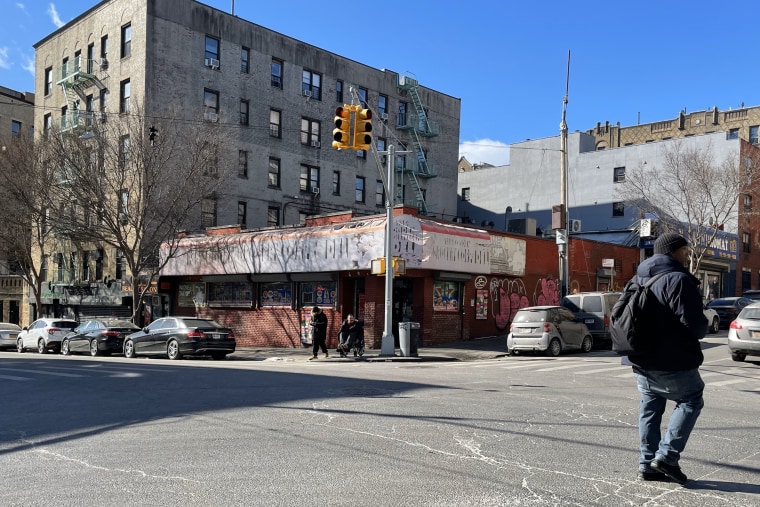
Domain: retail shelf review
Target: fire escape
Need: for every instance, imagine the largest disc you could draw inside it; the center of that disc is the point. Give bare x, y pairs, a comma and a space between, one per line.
419, 127
75, 80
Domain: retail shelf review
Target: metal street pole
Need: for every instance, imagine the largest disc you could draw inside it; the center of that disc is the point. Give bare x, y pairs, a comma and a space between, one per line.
387, 347
564, 246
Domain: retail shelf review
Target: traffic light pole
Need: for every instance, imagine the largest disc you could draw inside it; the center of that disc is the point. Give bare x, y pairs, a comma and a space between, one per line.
388, 347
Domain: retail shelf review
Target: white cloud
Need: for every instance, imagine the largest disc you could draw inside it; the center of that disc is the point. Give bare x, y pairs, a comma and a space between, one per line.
20, 6
29, 66
4, 63
54, 16
485, 150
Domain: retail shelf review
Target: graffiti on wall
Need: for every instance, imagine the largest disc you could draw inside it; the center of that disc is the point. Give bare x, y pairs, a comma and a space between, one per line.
509, 295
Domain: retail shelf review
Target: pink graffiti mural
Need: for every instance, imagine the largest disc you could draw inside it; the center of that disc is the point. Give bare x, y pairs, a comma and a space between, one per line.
509, 296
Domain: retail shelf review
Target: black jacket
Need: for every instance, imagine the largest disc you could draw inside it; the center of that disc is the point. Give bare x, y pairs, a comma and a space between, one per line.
680, 317
319, 326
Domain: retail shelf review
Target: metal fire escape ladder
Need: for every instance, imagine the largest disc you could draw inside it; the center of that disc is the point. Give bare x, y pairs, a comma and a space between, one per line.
75, 81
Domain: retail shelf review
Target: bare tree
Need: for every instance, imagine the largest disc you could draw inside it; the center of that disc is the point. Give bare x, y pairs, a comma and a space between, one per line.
26, 232
691, 193
133, 183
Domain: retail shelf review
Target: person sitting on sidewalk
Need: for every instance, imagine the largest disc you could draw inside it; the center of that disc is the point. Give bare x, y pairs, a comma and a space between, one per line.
351, 336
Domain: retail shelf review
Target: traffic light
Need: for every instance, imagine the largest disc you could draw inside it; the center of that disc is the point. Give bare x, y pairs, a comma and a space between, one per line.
342, 131
363, 127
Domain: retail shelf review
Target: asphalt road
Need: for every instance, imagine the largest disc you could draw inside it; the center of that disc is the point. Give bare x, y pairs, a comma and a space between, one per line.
526, 430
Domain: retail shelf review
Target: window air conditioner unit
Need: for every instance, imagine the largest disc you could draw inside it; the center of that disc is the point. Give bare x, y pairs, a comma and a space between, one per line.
210, 116
315, 190
384, 116
575, 226
211, 62
306, 93
315, 144
103, 62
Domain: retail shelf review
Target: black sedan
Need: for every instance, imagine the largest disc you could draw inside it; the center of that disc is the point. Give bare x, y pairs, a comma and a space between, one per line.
179, 336
98, 336
728, 308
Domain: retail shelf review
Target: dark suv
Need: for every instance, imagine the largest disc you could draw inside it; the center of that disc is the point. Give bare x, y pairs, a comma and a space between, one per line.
753, 294
594, 309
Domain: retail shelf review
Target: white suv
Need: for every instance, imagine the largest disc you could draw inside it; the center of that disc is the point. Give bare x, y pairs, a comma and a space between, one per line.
44, 334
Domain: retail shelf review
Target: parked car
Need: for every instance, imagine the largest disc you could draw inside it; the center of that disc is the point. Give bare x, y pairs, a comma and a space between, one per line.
744, 333
98, 336
44, 334
548, 329
8, 334
753, 294
728, 308
713, 319
178, 336
594, 309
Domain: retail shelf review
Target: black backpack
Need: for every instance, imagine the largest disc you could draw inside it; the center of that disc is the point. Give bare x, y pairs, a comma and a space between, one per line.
631, 318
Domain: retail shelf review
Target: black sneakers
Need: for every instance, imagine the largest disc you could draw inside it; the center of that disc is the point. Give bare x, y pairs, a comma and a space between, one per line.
672, 471
652, 475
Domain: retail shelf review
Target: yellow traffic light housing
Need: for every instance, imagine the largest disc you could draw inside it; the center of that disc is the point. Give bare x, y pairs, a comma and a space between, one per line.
363, 127
342, 131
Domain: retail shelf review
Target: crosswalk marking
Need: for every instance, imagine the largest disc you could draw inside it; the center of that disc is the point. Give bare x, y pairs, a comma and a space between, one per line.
600, 370
727, 382
565, 367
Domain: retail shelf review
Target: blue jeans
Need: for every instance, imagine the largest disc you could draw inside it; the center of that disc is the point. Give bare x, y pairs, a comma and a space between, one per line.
656, 388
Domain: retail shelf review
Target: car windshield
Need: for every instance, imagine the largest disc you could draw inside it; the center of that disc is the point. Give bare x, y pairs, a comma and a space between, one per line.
530, 316
750, 314
722, 302
12, 327
64, 325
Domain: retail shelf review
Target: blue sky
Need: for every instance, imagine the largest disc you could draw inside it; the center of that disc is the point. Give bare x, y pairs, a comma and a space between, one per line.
506, 60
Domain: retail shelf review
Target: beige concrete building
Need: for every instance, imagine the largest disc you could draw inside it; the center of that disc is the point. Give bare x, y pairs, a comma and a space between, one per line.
273, 96
741, 123
16, 118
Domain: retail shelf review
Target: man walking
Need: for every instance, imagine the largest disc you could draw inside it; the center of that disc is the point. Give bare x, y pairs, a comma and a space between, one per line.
318, 325
670, 369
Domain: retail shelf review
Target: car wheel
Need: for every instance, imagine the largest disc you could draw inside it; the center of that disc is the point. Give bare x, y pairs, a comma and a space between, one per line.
172, 350
20, 345
555, 347
94, 348
66, 348
587, 344
129, 349
715, 326
41, 346
738, 356
218, 356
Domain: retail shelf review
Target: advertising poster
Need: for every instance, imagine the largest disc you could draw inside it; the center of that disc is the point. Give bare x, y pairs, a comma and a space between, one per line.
481, 304
446, 296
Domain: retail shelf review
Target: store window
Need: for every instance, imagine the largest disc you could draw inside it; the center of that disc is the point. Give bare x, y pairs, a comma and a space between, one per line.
230, 294
318, 293
276, 294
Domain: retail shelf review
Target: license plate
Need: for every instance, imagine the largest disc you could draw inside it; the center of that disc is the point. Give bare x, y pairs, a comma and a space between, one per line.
12, 336
589, 321
216, 336
754, 334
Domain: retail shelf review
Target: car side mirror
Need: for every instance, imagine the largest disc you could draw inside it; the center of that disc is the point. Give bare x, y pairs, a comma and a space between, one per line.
145, 330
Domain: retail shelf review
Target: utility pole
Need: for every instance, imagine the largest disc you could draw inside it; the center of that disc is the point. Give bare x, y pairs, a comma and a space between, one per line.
387, 347
563, 233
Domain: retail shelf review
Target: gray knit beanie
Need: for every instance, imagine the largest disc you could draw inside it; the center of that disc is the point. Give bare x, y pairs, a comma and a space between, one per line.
668, 243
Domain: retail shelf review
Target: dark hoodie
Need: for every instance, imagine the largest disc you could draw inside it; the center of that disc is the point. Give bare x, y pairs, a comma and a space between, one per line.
681, 322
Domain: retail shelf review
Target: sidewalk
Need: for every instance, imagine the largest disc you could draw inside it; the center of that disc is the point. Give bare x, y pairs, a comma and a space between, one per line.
471, 350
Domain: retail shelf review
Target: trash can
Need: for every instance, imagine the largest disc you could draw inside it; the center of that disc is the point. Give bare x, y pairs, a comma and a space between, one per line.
408, 338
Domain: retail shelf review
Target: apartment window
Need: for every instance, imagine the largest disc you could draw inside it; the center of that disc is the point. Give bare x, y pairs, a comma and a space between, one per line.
275, 119
746, 242
104, 47
15, 128
401, 161
210, 105
242, 212
212, 48
618, 209
336, 183
401, 114
86, 266
48, 81
311, 85
273, 216
466, 193
382, 104
244, 112
310, 132
309, 178
277, 73
362, 96
65, 117
103, 100
47, 124
72, 266
124, 151
618, 175
242, 164
121, 265
273, 176
359, 197
754, 134
208, 212
379, 193
44, 268
90, 57
126, 40
732, 134
123, 206
339, 91
245, 60
124, 95
381, 146
61, 265
747, 202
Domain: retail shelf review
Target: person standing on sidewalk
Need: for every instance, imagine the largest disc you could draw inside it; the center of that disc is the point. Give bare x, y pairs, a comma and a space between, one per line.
318, 325
670, 371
